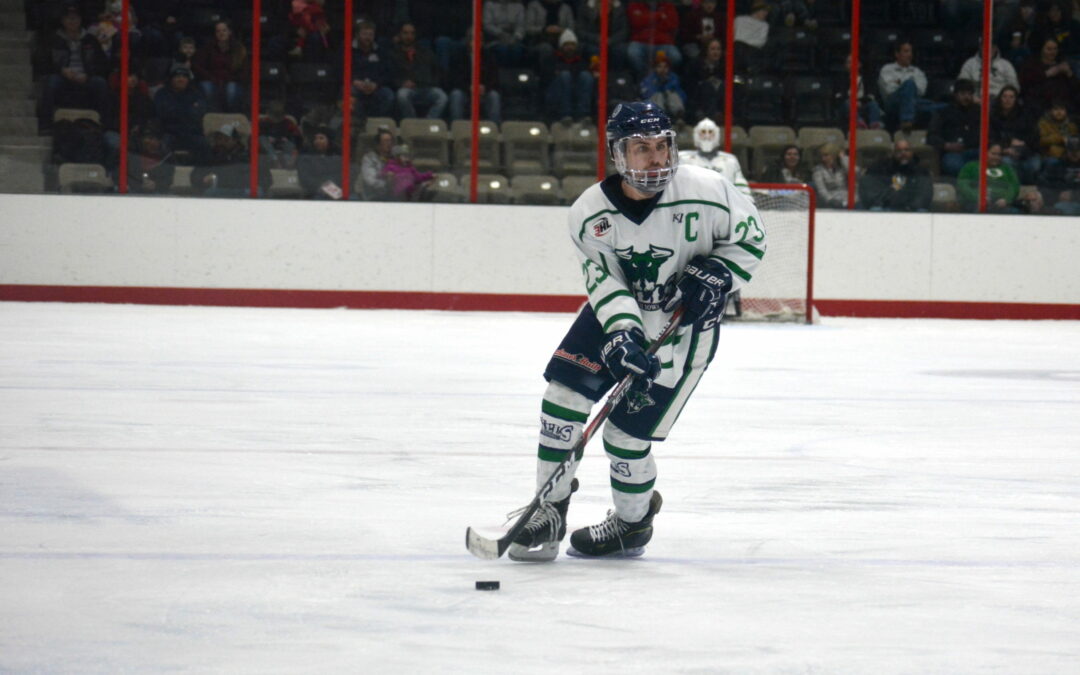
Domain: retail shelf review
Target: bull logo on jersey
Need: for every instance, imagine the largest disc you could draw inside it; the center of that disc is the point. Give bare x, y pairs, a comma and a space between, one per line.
642, 270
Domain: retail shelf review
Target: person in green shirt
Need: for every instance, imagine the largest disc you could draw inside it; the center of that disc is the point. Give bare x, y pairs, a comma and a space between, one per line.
1002, 184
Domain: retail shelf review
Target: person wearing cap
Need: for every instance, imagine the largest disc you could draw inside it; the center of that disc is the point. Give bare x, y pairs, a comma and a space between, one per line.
954, 130
545, 23
279, 136
571, 84
407, 183
150, 169
226, 172
79, 70
662, 87
654, 24
180, 107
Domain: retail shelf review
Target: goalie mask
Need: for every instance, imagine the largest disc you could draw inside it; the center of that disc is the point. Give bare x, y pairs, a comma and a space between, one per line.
706, 135
628, 125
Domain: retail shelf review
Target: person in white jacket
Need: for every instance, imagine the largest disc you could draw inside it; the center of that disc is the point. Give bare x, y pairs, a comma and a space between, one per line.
1002, 73
902, 86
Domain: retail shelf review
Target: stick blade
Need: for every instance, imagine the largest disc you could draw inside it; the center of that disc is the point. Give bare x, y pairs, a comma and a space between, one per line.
482, 547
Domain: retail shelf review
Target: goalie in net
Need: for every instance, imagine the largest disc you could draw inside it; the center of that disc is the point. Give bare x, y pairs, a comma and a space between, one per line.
782, 286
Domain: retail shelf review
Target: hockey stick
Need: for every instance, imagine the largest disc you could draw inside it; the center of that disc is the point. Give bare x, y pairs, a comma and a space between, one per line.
492, 549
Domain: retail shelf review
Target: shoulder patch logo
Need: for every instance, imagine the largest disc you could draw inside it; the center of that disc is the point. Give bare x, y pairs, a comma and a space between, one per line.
601, 227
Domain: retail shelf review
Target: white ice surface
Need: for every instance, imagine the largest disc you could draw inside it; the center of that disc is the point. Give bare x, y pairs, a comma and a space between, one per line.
252, 490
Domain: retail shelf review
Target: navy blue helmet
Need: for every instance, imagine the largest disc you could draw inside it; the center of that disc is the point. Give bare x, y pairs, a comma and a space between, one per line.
641, 120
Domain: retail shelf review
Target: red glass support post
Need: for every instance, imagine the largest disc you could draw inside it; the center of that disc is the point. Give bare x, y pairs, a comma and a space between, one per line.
601, 93
474, 111
984, 98
729, 74
853, 102
346, 104
125, 69
256, 75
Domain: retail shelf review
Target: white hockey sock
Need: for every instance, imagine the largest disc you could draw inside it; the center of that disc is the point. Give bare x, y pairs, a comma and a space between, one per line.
562, 418
633, 472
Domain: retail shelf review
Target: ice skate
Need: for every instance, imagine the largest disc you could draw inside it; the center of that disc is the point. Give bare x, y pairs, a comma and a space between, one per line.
615, 537
539, 541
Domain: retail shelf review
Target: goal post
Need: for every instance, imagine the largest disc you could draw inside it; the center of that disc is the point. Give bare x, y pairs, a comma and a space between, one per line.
783, 286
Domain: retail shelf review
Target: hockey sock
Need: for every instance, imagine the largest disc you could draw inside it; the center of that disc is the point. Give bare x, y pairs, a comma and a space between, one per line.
633, 472
562, 418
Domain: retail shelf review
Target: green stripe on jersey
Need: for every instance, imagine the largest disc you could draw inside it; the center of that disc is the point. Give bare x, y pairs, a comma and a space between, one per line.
752, 250
733, 268
623, 453
632, 488
612, 296
694, 201
620, 317
568, 414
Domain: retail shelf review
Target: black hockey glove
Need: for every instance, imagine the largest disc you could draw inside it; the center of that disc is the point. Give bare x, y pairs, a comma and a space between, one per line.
703, 291
624, 354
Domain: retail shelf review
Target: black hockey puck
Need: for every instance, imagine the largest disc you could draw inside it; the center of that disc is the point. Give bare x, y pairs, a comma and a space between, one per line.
487, 585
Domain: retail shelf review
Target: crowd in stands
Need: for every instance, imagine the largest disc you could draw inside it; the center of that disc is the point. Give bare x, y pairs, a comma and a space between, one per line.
189, 88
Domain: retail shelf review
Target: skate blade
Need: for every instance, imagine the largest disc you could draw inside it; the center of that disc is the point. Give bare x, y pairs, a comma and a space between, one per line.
542, 553
622, 553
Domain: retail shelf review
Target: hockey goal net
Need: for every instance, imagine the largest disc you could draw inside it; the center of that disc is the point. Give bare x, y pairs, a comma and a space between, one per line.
782, 287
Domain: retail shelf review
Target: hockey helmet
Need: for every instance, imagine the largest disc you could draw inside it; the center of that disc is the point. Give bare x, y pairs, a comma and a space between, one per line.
706, 135
641, 120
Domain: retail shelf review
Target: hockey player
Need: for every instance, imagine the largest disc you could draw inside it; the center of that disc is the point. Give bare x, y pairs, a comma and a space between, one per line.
649, 238
709, 155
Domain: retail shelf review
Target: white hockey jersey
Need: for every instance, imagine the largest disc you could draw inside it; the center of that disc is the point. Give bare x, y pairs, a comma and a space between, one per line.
725, 163
631, 269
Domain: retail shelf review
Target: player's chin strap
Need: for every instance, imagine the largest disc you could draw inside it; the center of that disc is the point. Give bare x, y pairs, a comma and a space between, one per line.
491, 549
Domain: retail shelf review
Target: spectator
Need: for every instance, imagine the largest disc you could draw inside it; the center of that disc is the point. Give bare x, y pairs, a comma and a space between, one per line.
797, 13
79, 71
319, 167
662, 87
416, 76
830, 177
406, 182
902, 85
1061, 181
150, 169
181, 106
458, 79
1055, 128
545, 22
1020, 33
868, 112
373, 95
588, 32
752, 39
226, 173
1002, 72
954, 130
1046, 77
700, 26
897, 183
1002, 184
222, 66
1054, 23
1013, 125
788, 168
447, 24
185, 53
312, 29
653, 27
373, 183
705, 82
504, 31
279, 136
570, 83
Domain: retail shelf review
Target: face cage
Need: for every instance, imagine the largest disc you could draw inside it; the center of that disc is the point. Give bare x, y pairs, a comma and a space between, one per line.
707, 142
641, 179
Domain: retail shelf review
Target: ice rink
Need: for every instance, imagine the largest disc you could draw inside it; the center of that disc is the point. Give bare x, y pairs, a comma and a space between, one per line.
251, 490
